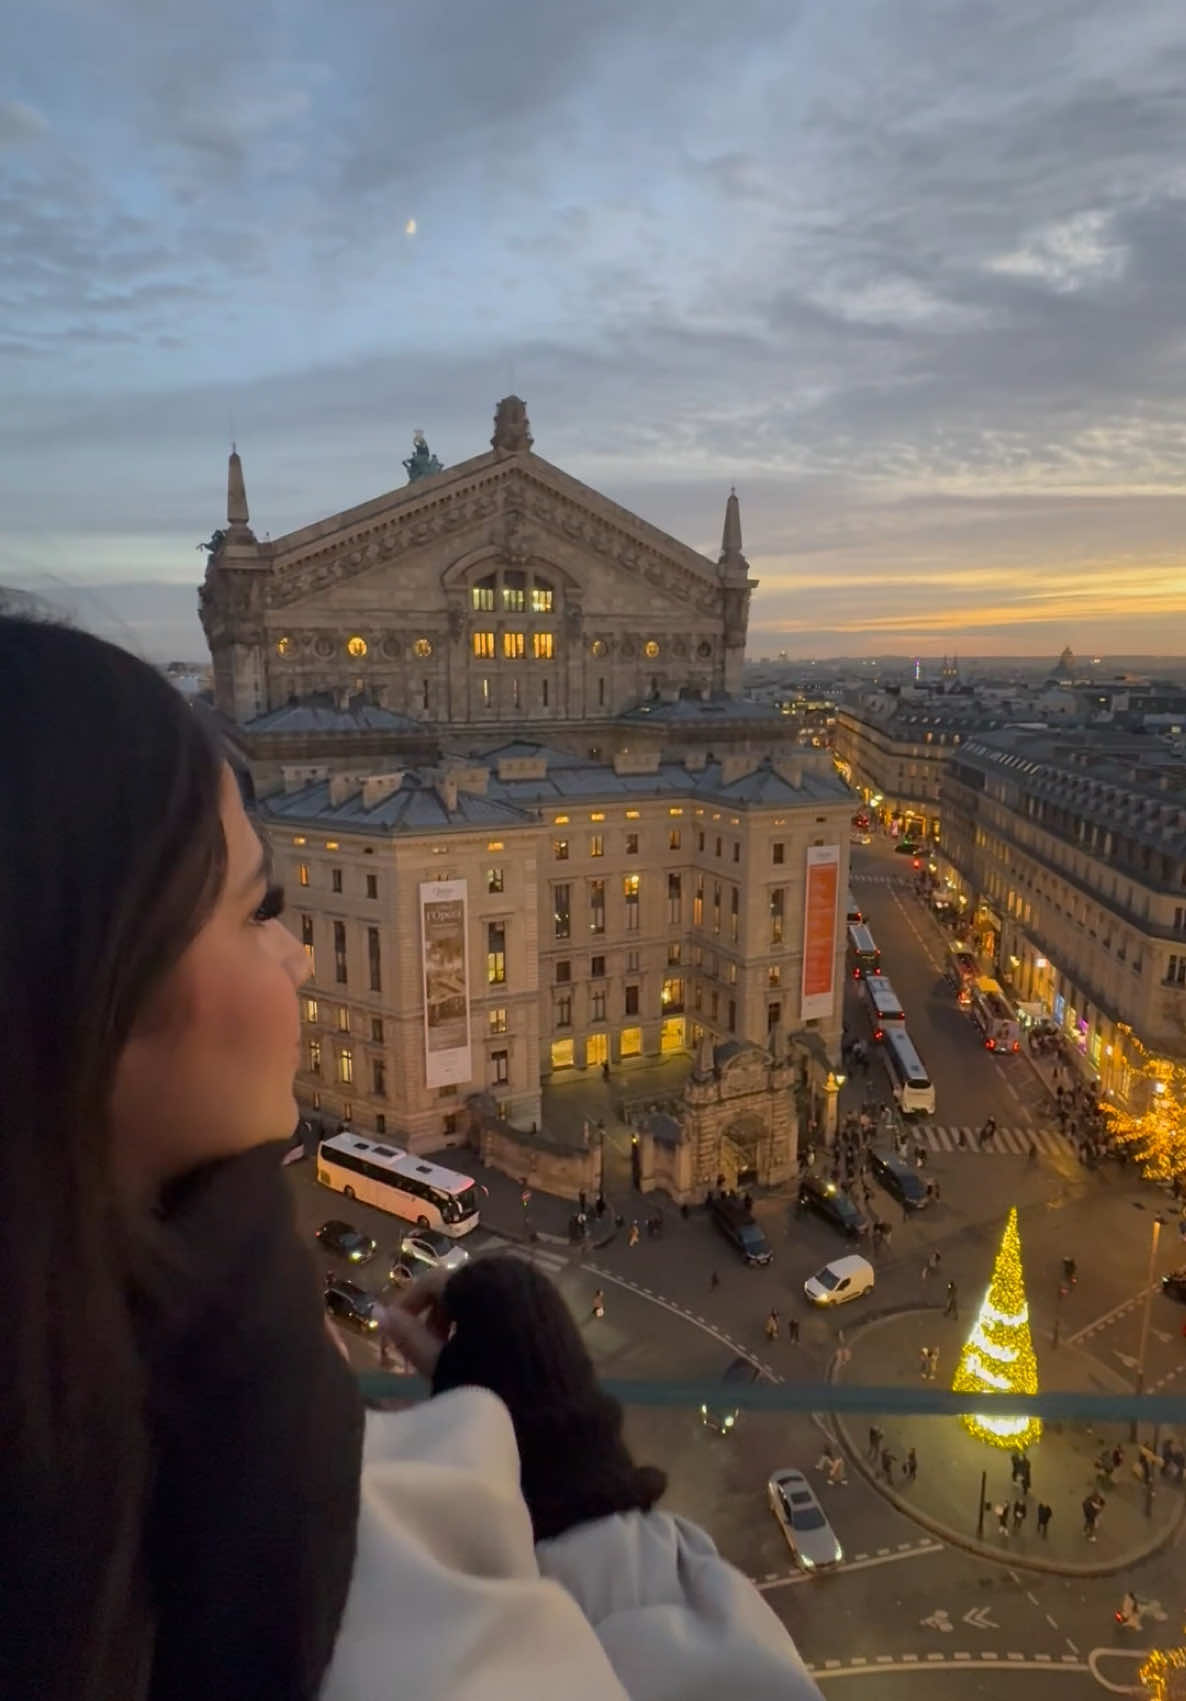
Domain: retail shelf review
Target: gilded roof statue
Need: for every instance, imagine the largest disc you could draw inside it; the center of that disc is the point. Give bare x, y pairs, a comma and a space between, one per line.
421, 463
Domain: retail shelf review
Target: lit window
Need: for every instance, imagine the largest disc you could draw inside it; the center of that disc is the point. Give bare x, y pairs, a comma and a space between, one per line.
543, 646
482, 597
356, 646
514, 646
309, 1009
345, 1066
422, 647
596, 844
303, 873
560, 850
483, 645
496, 1020
494, 881
675, 811
514, 594
650, 649
299, 839
633, 814
343, 1016
563, 1053
673, 839
598, 815
494, 844
560, 820
283, 646
313, 1057
541, 598
331, 844
630, 885
496, 953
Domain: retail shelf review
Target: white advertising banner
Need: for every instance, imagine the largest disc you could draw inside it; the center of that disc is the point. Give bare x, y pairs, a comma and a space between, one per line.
820, 911
444, 953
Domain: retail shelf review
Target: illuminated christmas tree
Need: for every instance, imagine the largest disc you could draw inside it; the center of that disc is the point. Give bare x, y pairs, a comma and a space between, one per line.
998, 1356
1163, 1675
1155, 1136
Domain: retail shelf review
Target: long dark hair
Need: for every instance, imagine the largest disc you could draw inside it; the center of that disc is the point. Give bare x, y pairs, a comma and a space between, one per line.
111, 857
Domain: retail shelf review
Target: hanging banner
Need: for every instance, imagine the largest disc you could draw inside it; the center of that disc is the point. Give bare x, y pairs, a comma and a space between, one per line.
446, 982
820, 909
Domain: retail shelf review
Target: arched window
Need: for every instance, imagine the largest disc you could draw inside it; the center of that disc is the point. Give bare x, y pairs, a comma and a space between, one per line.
482, 595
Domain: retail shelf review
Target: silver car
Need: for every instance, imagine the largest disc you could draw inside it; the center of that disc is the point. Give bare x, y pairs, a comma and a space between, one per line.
810, 1537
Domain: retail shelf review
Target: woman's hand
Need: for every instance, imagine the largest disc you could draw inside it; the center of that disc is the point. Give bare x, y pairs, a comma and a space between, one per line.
416, 1324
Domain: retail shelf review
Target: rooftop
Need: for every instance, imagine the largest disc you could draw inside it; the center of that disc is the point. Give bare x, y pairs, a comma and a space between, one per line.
320, 713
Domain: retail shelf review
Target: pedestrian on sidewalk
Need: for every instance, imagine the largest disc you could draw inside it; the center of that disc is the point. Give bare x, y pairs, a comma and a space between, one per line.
931, 1267
1045, 1513
793, 1331
1016, 1460
934, 1364
837, 1474
598, 1303
951, 1309
583, 1203
888, 1461
920, 1154
714, 1282
924, 1363
910, 1468
600, 1206
633, 1240
826, 1459
1019, 1511
1002, 1511
1026, 1472
876, 1437
772, 1326
1093, 1505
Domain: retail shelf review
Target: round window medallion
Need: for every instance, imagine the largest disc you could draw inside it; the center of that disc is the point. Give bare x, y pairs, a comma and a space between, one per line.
704, 648
600, 647
324, 647
284, 646
356, 646
423, 647
391, 648
650, 649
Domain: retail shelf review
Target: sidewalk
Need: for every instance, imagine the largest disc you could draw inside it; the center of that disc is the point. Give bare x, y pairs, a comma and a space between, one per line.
545, 1217
945, 1498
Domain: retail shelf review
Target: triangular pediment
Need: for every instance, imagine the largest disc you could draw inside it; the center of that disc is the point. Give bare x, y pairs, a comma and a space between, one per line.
497, 501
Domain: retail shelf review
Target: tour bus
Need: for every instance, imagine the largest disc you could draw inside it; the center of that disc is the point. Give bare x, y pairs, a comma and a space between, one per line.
962, 969
883, 1004
992, 1015
399, 1182
912, 1086
863, 956
853, 912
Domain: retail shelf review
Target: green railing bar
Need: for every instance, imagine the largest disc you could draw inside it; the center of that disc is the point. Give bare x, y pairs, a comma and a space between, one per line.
845, 1397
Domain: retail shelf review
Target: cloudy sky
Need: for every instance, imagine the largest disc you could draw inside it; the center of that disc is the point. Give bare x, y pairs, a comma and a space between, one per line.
909, 272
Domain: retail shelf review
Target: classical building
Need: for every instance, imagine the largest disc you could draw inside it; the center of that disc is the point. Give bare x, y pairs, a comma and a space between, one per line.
1070, 849
893, 746
498, 592
528, 825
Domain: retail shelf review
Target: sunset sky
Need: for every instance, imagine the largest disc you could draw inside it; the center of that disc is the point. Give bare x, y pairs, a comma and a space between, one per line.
910, 273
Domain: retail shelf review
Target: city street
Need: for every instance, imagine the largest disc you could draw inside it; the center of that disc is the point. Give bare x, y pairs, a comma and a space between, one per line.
904, 1599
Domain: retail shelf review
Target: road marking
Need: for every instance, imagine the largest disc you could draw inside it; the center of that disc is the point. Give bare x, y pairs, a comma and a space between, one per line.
913, 1551
1073, 1646
860, 1667
1050, 1621
979, 1616
1098, 1654
937, 1621
688, 1316
1107, 1317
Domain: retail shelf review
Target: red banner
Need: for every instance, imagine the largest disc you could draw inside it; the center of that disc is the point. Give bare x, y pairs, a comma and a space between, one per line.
819, 931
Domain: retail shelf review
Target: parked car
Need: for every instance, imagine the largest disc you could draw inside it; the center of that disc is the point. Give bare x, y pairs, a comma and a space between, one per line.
348, 1303
861, 838
906, 847
832, 1203
721, 1414
347, 1241
740, 1230
800, 1517
899, 1178
841, 1280
1173, 1285
425, 1249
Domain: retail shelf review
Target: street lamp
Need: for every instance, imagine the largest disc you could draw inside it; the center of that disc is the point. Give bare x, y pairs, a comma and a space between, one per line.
1158, 1224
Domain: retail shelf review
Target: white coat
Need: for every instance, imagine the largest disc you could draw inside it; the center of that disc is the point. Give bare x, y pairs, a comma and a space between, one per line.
451, 1601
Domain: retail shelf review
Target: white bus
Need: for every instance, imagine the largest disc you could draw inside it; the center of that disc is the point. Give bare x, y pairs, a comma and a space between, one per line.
912, 1086
883, 1004
992, 1015
863, 956
399, 1182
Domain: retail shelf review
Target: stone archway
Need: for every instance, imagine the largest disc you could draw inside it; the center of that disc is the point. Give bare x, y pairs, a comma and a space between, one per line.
741, 1149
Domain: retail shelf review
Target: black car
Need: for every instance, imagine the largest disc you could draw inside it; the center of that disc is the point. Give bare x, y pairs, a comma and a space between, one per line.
1173, 1285
899, 1178
352, 1305
833, 1204
740, 1230
347, 1241
722, 1414
906, 847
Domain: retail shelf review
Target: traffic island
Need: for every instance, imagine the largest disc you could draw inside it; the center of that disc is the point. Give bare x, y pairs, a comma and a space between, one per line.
961, 1480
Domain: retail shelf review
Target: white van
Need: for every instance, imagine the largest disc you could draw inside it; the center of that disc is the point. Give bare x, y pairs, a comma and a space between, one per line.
912, 1086
841, 1280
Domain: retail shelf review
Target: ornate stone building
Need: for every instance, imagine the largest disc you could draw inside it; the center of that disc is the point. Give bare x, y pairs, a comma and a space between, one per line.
495, 686
500, 591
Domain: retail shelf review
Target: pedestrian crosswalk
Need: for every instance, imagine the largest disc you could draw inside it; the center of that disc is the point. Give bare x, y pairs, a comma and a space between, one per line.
553, 1261
877, 879
1016, 1141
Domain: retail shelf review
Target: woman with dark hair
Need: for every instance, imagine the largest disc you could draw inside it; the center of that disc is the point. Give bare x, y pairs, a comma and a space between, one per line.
186, 1504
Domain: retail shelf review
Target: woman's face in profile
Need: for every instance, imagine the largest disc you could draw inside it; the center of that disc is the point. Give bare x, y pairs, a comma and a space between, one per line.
209, 1067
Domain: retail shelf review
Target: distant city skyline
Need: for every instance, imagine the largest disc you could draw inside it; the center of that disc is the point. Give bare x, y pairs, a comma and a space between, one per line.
910, 277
